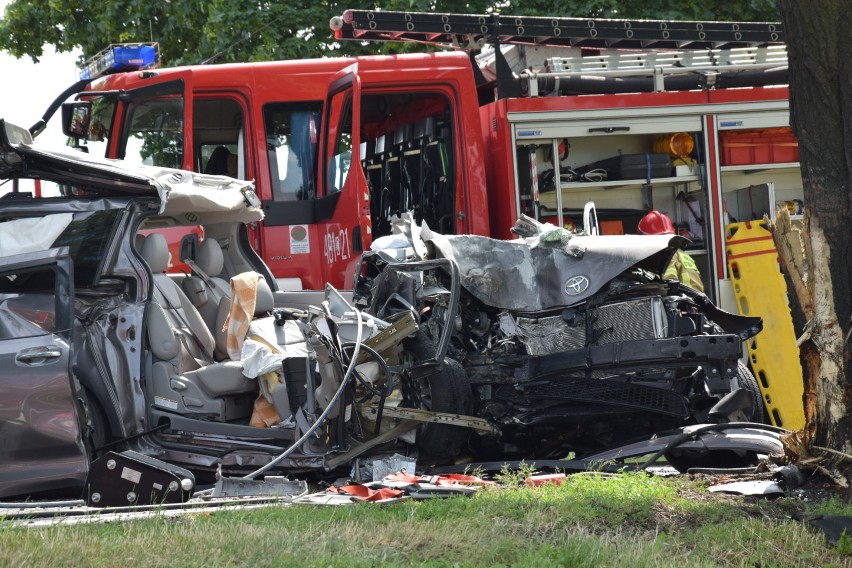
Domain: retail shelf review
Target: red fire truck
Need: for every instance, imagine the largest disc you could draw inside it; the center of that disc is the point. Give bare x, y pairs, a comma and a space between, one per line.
532, 116
337, 146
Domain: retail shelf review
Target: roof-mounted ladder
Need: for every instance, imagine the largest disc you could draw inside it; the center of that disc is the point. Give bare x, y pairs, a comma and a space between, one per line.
741, 53
472, 31
659, 64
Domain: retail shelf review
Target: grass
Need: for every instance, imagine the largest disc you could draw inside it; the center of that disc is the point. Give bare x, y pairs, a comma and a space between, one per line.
590, 520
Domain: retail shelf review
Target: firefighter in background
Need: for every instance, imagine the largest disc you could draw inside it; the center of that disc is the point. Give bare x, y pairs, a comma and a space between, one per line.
682, 266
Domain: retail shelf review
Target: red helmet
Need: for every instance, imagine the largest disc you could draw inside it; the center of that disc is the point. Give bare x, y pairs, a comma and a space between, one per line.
656, 223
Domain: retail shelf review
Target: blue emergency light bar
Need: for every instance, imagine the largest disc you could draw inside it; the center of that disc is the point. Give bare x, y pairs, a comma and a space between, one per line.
120, 57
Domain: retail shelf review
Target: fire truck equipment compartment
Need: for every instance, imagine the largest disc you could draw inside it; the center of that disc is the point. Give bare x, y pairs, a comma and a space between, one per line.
767, 146
635, 166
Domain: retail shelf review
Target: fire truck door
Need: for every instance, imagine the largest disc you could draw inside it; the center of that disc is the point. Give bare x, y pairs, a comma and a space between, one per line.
343, 222
156, 124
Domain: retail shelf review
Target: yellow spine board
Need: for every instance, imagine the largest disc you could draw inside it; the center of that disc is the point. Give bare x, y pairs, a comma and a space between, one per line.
760, 290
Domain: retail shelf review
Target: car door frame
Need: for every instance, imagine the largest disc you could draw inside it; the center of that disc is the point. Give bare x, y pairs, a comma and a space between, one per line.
41, 367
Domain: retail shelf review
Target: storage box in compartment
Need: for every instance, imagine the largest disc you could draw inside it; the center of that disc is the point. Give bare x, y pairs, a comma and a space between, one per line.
612, 221
747, 147
634, 166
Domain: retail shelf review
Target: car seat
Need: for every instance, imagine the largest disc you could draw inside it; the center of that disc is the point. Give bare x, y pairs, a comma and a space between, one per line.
209, 293
218, 164
183, 377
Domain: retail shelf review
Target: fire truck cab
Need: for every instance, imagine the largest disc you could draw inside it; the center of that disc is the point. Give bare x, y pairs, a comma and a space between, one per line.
335, 147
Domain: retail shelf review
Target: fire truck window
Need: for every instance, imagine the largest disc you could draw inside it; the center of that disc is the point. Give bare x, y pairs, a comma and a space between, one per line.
340, 162
340, 137
292, 147
100, 131
155, 132
219, 159
217, 129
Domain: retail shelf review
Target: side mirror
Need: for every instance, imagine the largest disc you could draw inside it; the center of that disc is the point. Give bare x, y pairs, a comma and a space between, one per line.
76, 117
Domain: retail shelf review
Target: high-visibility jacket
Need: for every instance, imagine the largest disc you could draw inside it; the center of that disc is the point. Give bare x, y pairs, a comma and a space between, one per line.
682, 267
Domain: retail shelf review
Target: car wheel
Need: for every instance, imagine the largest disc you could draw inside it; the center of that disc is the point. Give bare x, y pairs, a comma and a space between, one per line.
683, 460
747, 381
442, 390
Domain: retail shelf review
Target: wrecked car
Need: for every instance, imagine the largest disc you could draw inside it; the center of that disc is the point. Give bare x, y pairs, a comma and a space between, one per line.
485, 349
102, 348
563, 342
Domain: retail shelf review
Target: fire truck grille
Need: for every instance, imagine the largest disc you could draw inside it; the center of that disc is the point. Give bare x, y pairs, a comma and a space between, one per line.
627, 395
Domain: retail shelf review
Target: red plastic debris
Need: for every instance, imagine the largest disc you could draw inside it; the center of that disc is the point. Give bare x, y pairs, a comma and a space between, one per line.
442, 480
364, 493
539, 480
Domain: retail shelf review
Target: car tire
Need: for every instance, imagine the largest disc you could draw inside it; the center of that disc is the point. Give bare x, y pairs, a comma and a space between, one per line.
683, 460
443, 390
747, 381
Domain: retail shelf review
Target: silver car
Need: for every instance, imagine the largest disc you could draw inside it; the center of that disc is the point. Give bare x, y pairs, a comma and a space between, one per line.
102, 347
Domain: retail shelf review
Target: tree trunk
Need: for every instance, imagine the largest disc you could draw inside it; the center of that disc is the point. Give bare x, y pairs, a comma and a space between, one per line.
820, 54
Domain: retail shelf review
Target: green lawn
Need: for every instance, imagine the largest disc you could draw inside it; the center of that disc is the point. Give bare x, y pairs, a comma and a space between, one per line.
629, 520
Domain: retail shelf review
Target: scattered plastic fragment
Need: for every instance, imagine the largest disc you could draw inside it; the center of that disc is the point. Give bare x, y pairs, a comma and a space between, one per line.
546, 479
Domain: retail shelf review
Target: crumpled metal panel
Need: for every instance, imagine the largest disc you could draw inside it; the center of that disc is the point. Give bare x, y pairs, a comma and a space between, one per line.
514, 275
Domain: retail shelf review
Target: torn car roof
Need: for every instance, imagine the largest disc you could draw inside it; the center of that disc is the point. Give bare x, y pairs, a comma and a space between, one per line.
185, 197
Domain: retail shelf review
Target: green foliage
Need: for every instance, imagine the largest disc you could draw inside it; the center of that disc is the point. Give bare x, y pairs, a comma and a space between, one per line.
590, 520
191, 31
707, 10
509, 477
833, 506
844, 545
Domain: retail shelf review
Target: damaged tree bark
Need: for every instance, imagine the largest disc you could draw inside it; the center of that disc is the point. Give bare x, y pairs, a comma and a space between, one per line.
820, 55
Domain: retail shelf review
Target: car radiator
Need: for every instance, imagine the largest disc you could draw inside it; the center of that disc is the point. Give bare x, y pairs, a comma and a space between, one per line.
641, 318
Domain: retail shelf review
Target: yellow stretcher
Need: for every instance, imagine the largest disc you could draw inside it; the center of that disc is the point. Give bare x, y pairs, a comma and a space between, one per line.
760, 290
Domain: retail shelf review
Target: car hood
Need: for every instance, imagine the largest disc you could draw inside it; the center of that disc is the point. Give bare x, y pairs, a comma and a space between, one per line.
530, 276
187, 197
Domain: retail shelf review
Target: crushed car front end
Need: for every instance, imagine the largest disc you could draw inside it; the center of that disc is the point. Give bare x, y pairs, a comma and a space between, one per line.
570, 346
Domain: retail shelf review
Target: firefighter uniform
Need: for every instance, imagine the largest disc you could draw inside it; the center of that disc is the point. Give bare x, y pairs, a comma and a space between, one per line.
682, 267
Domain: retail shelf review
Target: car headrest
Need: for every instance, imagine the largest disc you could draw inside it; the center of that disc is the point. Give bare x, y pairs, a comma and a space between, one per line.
210, 258
265, 301
155, 251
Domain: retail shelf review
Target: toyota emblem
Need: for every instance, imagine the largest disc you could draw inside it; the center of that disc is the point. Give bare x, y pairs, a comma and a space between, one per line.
575, 285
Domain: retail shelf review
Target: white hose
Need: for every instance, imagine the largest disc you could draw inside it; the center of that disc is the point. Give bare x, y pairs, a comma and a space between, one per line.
322, 417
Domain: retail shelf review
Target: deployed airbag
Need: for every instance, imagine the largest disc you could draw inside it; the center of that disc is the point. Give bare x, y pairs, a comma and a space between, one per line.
32, 234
